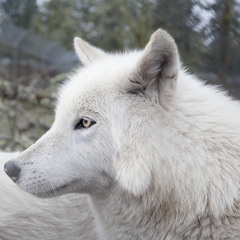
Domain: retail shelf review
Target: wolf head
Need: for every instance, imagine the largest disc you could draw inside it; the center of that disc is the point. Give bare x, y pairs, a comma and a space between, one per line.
105, 123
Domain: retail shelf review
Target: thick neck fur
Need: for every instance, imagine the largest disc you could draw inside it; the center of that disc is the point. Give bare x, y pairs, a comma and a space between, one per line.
196, 189
124, 216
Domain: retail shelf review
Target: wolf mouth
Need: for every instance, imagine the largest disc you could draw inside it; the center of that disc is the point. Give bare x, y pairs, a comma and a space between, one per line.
59, 190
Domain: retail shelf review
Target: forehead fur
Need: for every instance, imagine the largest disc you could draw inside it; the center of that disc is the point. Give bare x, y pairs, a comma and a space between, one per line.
110, 74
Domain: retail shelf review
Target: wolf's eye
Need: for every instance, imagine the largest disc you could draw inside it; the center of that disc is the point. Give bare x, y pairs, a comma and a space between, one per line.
84, 123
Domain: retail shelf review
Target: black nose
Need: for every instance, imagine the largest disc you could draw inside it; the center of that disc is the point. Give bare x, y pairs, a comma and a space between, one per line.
12, 170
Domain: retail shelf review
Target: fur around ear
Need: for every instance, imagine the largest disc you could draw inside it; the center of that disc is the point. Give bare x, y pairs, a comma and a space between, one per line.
158, 66
87, 53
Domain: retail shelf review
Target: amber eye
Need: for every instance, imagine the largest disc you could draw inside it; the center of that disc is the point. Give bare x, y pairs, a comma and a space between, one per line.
84, 123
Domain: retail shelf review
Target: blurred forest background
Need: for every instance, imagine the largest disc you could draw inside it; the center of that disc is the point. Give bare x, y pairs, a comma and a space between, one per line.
36, 49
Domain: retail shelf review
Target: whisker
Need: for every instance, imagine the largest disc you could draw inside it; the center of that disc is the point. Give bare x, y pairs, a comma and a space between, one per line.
53, 188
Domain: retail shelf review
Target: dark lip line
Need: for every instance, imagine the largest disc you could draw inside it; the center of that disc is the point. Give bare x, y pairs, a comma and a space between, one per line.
56, 189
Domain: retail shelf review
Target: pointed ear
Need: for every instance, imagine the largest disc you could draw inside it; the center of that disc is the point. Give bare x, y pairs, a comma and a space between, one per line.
158, 67
87, 53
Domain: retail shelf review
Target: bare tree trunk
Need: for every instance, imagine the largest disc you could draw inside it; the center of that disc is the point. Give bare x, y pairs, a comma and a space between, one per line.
224, 45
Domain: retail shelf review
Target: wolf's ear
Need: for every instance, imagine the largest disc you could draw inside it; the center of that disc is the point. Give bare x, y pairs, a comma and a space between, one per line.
133, 170
87, 53
158, 67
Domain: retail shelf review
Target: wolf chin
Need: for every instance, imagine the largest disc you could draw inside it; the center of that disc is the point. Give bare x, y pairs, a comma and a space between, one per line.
157, 150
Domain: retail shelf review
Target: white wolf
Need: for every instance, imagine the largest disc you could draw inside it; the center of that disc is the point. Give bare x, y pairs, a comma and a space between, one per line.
157, 150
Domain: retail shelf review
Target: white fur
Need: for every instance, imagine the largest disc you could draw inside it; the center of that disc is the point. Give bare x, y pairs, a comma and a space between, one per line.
162, 160
25, 217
